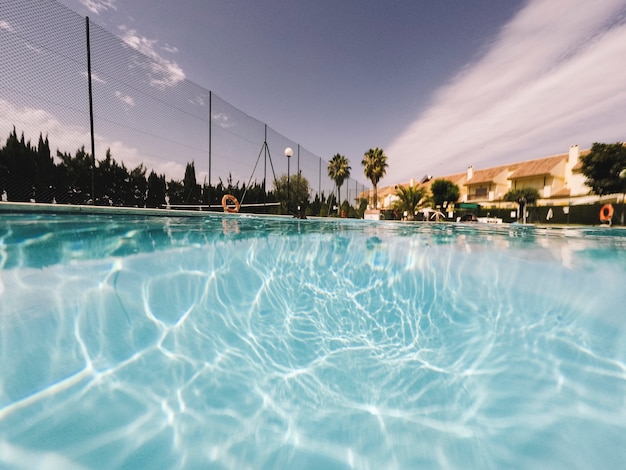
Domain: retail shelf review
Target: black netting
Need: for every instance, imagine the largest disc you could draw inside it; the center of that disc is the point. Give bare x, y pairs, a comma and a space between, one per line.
158, 139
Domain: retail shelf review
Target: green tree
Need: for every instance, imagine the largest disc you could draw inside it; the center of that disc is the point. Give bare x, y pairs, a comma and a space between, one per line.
360, 210
375, 166
444, 192
315, 206
190, 186
604, 167
44, 172
522, 197
324, 210
229, 188
156, 190
409, 199
111, 182
299, 191
137, 187
77, 173
252, 193
18, 162
339, 171
175, 192
331, 203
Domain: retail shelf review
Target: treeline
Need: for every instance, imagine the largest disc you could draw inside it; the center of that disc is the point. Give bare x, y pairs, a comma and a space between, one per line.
29, 173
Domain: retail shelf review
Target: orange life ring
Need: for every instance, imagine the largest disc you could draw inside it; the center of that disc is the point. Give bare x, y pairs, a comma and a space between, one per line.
230, 198
606, 213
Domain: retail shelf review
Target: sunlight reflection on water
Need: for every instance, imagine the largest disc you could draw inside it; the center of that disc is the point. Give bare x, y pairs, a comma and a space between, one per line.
242, 342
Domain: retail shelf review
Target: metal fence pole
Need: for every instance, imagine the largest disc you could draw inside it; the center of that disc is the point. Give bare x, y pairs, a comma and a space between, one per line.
319, 180
93, 146
210, 145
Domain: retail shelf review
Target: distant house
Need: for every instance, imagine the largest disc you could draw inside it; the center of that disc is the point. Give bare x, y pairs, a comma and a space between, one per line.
458, 179
558, 180
487, 185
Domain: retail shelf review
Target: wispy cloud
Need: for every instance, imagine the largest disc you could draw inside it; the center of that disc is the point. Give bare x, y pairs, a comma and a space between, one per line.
553, 77
33, 48
223, 120
163, 73
198, 100
98, 6
6, 26
126, 99
94, 77
170, 49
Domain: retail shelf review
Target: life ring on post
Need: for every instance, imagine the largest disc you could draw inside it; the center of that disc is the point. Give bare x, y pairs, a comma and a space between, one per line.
606, 213
233, 200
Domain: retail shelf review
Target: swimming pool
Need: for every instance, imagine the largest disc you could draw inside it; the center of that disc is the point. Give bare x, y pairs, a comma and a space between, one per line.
245, 342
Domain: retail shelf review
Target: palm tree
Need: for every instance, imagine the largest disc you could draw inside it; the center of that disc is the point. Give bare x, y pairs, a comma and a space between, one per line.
375, 163
522, 197
339, 171
409, 199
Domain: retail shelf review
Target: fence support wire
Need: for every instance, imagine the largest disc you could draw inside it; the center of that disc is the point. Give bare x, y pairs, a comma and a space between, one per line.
266, 151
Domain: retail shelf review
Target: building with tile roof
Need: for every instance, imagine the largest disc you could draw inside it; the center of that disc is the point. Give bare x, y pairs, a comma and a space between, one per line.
557, 178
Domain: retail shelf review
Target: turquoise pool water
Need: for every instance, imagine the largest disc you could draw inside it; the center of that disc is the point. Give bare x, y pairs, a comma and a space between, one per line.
241, 342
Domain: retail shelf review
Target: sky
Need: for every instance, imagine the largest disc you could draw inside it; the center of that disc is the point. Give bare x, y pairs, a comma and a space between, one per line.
438, 85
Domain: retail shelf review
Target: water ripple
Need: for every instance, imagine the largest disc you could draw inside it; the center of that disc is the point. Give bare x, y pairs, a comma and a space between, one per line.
270, 343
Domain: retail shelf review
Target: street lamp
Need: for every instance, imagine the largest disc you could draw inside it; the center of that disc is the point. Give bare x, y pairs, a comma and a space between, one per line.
288, 154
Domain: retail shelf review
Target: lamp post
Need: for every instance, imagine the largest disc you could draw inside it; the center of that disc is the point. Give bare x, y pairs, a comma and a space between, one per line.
288, 154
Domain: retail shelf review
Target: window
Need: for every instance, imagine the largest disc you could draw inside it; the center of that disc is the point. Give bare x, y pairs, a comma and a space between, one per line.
481, 192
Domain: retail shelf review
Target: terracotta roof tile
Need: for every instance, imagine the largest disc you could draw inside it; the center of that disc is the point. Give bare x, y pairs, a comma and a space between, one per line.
488, 175
541, 166
457, 179
386, 191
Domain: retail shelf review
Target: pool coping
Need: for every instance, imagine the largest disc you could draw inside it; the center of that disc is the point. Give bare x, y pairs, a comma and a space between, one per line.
43, 208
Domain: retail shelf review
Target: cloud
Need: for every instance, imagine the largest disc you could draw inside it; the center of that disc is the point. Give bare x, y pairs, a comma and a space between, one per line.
94, 77
198, 100
6, 26
32, 121
69, 138
163, 73
223, 120
553, 77
126, 99
170, 49
98, 6
33, 48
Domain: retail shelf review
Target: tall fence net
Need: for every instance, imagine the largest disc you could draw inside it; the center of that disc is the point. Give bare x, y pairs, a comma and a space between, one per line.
93, 118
